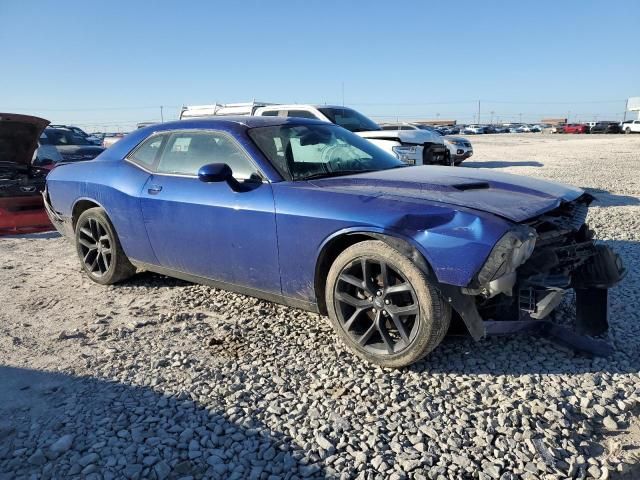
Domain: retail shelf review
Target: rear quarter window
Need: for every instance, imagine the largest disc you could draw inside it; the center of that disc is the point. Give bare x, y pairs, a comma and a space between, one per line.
147, 153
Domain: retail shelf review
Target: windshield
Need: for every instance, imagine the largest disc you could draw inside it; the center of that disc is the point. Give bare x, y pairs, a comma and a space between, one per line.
62, 137
349, 119
303, 152
429, 129
79, 131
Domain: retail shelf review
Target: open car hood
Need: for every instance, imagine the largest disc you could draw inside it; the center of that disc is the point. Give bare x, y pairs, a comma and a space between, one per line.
416, 137
516, 198
19, 136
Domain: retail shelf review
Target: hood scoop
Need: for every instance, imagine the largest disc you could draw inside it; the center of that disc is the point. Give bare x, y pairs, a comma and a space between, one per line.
471, 186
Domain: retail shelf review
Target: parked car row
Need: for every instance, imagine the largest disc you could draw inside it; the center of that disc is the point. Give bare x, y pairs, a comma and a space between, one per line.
478, 129
628, 126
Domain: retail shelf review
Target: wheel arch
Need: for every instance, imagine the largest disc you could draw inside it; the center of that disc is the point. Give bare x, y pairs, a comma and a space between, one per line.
80, 206
462, 304
339, 241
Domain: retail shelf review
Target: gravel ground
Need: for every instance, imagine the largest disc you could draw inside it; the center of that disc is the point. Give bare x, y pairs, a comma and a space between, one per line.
157, 378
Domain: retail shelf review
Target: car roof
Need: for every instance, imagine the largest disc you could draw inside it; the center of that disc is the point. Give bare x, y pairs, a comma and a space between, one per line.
288, 106
234, 120
231, 124
58, 128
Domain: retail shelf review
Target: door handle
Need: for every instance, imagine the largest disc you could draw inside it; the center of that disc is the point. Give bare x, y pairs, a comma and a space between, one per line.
154, 189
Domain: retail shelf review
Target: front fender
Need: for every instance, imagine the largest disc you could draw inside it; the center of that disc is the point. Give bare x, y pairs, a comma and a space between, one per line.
463, 304
456, 245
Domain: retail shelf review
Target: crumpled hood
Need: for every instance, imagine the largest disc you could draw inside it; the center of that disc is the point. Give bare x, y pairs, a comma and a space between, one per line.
19, 136
513, 197
417, 137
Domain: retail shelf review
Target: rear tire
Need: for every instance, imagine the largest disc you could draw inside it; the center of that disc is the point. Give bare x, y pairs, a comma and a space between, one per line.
627, 131
383, 307
99, 249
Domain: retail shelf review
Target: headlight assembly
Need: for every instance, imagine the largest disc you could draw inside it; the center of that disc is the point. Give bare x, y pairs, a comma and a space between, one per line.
512, 250
404, 150
406, 153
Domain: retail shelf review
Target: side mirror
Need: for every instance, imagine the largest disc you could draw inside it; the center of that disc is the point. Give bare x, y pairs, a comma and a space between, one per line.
219, 172
215, 172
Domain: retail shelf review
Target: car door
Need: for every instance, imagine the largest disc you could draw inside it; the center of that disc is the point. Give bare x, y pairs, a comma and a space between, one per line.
208, 229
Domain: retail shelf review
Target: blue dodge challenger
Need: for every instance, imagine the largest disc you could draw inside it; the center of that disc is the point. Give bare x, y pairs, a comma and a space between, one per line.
307, 214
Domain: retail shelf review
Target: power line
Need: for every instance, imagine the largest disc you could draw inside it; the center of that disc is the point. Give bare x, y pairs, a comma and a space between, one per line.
390, 104
87, 109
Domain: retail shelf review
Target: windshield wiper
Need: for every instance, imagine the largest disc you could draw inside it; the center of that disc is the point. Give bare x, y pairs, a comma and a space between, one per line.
335, 174
404, 165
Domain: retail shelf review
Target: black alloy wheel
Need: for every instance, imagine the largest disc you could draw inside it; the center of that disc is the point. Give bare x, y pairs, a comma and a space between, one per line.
99, 249
383, 306
95, 246
376, 306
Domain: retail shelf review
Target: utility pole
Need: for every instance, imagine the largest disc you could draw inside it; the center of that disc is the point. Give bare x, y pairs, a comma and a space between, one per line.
492, 112
343, 93
478, 112
161, 115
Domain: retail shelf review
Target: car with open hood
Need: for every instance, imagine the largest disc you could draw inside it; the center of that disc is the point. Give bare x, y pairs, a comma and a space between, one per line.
309, 214
21, 182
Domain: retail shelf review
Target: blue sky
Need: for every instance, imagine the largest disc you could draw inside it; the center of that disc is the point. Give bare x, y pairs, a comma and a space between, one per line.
111, 65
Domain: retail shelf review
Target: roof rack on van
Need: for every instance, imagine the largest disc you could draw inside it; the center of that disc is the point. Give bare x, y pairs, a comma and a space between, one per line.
221, 109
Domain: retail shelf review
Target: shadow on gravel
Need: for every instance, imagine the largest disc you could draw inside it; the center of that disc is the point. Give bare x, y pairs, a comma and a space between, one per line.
34, 236
56, 426
501, 164
606, 199
151, 279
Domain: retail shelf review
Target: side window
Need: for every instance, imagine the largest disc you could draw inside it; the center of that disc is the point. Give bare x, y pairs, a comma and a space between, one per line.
269, 113
145, 154
187, 151
300, 114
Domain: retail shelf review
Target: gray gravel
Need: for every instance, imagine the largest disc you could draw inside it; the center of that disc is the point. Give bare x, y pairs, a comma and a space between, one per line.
158, 378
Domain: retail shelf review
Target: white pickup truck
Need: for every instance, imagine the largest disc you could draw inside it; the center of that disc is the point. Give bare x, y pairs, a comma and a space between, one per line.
414, 147
631, 127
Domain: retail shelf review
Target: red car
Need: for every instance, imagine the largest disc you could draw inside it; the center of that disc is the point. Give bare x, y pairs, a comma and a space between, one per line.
21, 183
576, 128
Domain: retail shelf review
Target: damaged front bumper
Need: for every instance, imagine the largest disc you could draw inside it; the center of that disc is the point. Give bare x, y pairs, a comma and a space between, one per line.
520, 285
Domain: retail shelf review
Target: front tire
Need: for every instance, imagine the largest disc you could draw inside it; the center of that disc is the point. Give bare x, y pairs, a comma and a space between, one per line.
99, 249
383, 307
